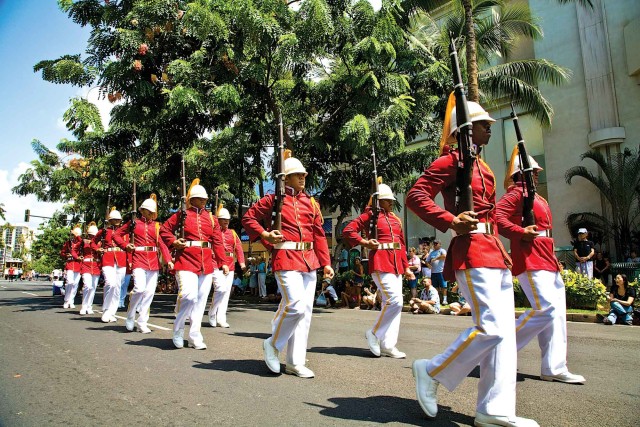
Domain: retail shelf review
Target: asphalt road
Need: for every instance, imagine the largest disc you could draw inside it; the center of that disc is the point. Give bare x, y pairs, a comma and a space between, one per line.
60, 368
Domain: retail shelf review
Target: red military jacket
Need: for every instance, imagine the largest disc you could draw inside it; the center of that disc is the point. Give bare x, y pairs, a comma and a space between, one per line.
301, 222
89, 253
146, 234
113, 255
200, 226
71, 252
475, 250
389, 231
527, 256
232, 248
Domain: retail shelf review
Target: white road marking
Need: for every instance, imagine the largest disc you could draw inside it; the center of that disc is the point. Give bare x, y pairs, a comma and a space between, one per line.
148, 324
29, 293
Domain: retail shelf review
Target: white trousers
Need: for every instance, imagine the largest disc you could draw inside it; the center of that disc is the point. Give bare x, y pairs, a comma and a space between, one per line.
113, 277
73, 279
585, 268
262, 284
144, 289
193, 294
90, 283
491, 343
220, 299
547, 319
124, 287
387, 326
290, 326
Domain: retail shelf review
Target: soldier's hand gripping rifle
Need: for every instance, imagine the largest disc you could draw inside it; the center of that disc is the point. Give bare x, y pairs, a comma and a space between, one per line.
375, 206
276, 216
527, 173
132, 224
103, 236
464, 194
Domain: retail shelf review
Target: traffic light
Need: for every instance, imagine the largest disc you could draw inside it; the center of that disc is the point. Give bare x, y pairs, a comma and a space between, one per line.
27, 215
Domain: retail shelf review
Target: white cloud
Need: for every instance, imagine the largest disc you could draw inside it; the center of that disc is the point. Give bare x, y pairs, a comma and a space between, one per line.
15, 205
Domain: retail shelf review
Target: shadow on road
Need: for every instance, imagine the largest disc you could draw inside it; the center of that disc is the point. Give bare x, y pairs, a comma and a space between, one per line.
342, 351
249, 366
88, 318
259, 335
114, 328
388, 409
159, 343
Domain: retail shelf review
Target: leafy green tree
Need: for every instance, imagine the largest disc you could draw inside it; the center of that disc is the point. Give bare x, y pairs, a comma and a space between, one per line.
619, 184
208, 79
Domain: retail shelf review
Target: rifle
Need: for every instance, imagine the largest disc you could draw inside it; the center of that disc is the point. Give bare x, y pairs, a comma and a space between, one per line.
132, 224
183, 200
464, 193
527, 172
106, 219
276, 215
375, 207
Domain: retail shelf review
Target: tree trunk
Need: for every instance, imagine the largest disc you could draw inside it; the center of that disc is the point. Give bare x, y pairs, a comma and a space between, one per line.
472, 62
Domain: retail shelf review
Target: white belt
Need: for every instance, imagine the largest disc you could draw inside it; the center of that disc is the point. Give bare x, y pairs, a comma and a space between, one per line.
544, 233
391, 245
482, 228
146, 249
87, 259
113, 249
294, 246
197, 244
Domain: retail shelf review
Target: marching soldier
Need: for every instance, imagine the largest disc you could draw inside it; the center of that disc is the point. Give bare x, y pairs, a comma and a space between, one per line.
146, 263
479, 264
196, 257
222, 283
71, 253
387, 263
114, 266
538, 271
296, 252
90, 268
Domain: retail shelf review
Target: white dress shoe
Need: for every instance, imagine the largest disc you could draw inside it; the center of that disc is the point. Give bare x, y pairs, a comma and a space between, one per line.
212, 322
113, 319
144, 329
89, 311
198, 345
223, 324
392, 352
178, 338
129, 324
106, 318
65, 305
374, 342
426, 388
83, 311
271, 356
72, 305
565, 377
484, 420
299, 370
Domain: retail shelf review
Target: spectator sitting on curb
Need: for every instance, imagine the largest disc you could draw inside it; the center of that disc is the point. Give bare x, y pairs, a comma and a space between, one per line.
352, 295
621, 297
461, 307
370, 299
429, 301
329, 293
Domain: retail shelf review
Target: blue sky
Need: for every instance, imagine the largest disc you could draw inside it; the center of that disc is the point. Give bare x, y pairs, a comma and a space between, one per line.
30, 31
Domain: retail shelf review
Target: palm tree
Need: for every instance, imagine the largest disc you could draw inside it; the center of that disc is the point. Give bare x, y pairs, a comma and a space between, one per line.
485, 31
2, 212
619, 184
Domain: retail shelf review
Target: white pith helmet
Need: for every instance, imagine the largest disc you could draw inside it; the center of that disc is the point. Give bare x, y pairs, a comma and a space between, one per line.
149, 205
517, 168
92, 230
385, 193
77, 231
114, 214
223, 214
476, 113
198, 191
293, 165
